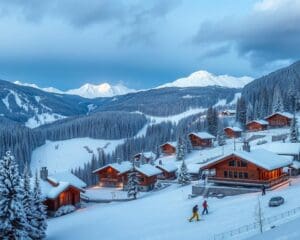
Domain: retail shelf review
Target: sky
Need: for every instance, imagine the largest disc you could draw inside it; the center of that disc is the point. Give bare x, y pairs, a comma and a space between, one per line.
142, 44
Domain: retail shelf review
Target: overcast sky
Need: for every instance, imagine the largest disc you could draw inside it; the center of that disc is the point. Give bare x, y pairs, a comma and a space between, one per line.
66, 43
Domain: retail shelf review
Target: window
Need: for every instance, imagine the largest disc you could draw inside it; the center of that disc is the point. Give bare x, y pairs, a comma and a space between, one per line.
243, 164
225, 174
245, 175
239, 163
240, 175
230, 174
235, 174
231, 163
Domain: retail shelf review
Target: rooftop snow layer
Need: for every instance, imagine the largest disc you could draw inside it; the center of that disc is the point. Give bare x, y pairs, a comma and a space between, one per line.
285, 114
148, 170
260, 121
282, 148
260, 157
235, 129
120, 167
168, 167
203, 135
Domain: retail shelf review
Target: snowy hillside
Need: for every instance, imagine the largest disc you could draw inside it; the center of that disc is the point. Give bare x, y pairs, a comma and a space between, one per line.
46, 89
60, 156
204, 79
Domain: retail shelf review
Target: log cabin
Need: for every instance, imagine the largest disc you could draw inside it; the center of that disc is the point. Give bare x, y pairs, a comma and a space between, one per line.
250, 169
233, 132
257, 125
168, 170
201, 139
228, 113
114, 174
60, 189
168, 148
279, 119
148, 175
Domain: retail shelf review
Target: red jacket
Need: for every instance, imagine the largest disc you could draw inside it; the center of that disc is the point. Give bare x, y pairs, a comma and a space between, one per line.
204, 204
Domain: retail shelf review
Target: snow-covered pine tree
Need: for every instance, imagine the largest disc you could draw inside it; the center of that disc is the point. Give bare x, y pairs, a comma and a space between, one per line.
277, 103
241, 112
28, 205
180, 153
183, 176
212, 121
13, 222
157, 152
133, 183
294, 134
39, 211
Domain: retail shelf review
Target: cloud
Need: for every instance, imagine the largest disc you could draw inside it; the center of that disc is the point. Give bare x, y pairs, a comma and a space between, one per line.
269, 33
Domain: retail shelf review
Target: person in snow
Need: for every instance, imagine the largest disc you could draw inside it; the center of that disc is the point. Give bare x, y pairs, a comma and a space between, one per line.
205, 207
195, 213
263, 190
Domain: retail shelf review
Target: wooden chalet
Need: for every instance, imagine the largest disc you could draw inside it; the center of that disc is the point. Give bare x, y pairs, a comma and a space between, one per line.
60, 190
279, 119
148, 156
168, 148
113, 175
116, 175
201, 139
253, 169
168, 170
257, 125
233, 132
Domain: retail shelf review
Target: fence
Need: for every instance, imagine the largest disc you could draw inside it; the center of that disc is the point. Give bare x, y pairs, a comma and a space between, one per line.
255, 226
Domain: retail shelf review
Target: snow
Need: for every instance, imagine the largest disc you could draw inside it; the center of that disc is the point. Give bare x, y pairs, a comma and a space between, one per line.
204, 79
43, 118
148, 170
282, 148
164, 214
47, 89
260, 157
173, 144
203, 135
235, 99
68, 177
220, 103
260, 121
147, 154
60, 156
235, 129
168, 167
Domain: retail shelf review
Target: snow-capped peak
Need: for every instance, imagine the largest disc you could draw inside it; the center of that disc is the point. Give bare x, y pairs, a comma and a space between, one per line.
46, 89
103, 90
204, 79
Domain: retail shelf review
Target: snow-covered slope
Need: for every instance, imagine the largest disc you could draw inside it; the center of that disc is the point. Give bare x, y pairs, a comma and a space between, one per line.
103, 90
46, 89
65, 155
204, 79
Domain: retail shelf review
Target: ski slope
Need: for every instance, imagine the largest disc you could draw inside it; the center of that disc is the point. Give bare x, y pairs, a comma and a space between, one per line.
60, 156
164, 215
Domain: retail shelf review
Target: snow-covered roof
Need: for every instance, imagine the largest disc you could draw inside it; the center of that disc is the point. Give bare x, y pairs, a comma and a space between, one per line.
59, 182
296, 165
235, 129
120, 167
260, 157
194, 168
285, 114
168, 167
282, 148
148, 170
203, 135
229, 111
260, 121
173, 144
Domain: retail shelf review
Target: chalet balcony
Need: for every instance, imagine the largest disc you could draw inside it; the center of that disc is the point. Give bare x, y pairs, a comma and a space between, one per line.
248, 182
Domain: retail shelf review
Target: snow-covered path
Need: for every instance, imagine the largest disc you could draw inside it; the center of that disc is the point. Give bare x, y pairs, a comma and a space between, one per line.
164, 215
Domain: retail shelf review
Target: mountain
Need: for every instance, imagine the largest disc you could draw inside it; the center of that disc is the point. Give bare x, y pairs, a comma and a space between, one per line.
103, 90
46, 89
274, 92
204, 79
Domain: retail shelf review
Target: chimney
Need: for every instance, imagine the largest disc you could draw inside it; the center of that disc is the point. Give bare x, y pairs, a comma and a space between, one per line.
137, 164
44, 173
246, 146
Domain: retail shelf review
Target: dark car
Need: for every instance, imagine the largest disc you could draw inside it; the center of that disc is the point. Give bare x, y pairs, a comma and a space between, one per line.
276, 201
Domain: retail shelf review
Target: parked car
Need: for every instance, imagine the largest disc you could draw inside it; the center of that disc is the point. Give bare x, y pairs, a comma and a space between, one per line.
276, 201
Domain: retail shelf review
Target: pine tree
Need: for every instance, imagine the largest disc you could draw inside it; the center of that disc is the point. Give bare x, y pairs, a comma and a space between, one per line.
212, 121
183, 177
39, 211
294, 135
241, 112
13, 223
180, 153
28, 204
277, 105
133, 183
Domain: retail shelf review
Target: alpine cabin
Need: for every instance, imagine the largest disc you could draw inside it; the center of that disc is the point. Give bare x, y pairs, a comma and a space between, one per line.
201, 139
279, 119
168, 170
233, 132
257, 125
168, 148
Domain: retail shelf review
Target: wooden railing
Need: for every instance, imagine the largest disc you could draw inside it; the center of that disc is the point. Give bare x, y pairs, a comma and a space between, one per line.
239, 181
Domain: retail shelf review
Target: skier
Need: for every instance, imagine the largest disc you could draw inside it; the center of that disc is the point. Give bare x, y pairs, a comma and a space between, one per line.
263, 190
205, 206
195, 213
